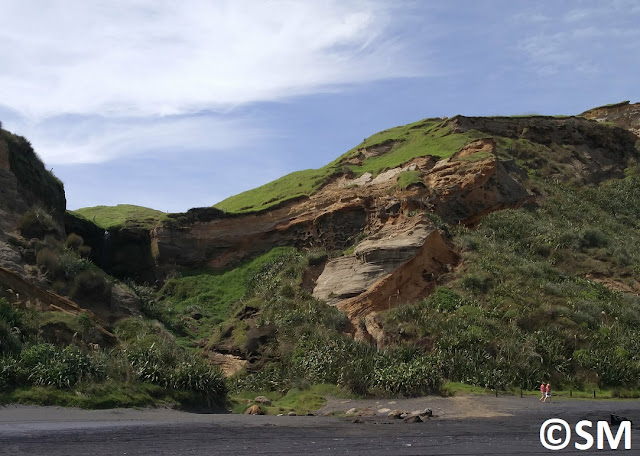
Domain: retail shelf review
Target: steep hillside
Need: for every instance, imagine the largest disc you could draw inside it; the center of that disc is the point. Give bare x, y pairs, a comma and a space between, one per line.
384, 150
625, 115
495, 251
70, 334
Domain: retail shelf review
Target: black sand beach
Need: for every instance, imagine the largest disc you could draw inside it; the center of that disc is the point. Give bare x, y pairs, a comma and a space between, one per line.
466, 425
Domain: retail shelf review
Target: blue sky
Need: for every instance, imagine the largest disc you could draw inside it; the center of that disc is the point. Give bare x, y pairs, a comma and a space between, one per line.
175, 105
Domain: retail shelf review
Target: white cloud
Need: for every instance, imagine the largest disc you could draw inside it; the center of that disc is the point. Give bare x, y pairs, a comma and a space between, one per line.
578, 40
158, 57
81, 139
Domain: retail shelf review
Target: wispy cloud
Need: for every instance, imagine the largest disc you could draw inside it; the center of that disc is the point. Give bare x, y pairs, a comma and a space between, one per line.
94, 139
89, 82
578, 40
148, 57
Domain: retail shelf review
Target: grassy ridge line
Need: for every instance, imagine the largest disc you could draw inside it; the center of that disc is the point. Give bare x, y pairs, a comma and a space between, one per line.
111, 217
425, 137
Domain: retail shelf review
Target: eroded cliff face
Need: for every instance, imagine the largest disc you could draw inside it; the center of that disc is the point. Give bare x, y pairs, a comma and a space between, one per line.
24, 183
27, 187
399, 254
403, 255
623, 114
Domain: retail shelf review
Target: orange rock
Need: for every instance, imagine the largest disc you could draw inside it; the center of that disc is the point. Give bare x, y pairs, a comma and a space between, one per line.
254, 410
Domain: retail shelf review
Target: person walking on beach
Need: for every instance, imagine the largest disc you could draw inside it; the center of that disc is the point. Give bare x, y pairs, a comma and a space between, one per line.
547, 393
543, 391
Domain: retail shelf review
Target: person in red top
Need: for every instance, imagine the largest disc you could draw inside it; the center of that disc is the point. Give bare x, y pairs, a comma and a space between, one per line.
543, 390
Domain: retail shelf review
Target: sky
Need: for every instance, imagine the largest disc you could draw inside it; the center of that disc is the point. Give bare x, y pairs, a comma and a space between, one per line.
173, 105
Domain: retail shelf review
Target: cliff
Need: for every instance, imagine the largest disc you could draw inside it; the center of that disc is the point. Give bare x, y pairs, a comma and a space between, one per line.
490, 209
385, 221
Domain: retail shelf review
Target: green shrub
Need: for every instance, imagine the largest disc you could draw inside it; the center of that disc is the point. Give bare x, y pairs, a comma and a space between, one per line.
9, 374
71, 264
36, 223
9, 341
407, 179
161, 362
45, 365
74, 241
592, 238
199, 377
11, 315
317, 256
91, 285
275, 376
84, 251
49, 259
419, 376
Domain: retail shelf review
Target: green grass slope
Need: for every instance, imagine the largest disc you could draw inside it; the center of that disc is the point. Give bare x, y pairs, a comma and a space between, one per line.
426, 137
122, 215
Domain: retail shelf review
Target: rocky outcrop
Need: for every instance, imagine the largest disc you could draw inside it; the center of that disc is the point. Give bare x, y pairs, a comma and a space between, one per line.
224, 242
33, 296
624, 115
474, 182
392, 268
35, 185
397, 252
401, 255
582, 151
127, 253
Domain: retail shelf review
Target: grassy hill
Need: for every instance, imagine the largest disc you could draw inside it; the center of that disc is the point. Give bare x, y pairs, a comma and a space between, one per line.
122, 215
425, 137
549, 291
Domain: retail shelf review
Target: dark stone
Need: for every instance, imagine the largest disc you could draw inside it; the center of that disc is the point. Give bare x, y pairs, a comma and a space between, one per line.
413, 419
259, 336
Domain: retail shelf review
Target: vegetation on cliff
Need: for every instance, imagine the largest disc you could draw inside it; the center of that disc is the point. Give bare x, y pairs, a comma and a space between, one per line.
531, 303
147, 367
383, 150
547, 291
120, 216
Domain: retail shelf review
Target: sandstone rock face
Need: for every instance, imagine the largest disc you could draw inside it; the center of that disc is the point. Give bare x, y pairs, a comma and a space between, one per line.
623, 114
254, 410
594, 152
472, 183
402, 256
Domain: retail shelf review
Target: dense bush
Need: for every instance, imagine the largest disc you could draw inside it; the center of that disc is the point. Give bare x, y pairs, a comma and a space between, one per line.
74, 241
419, 376
356, 367
36, 223
154, 357
46, 365
49, 259
146, 360
11, 326
522, 311
91, 284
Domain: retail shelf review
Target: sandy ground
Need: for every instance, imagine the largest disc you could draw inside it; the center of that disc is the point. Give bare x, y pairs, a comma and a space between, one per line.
466, 425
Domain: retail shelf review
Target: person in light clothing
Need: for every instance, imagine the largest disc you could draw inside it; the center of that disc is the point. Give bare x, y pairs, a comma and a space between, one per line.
547, 393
